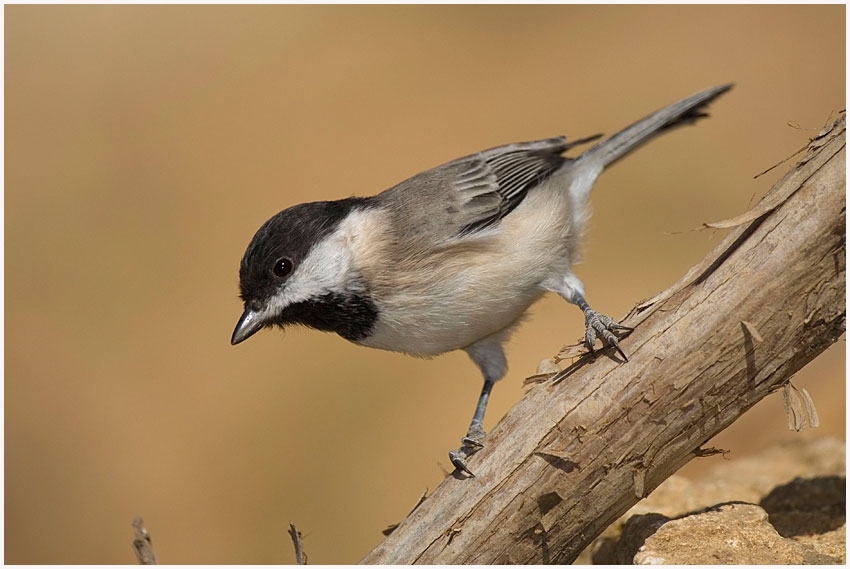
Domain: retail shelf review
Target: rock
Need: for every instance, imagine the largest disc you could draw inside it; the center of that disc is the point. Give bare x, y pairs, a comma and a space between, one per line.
727, 534
791, 496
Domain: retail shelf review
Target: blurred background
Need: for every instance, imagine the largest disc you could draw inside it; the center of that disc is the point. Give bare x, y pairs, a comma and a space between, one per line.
146, 144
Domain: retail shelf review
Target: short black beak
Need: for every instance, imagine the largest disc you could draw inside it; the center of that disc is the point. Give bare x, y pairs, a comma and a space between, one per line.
248, 325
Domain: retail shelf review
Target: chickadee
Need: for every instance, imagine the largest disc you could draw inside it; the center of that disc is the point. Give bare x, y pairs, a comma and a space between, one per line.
448, 259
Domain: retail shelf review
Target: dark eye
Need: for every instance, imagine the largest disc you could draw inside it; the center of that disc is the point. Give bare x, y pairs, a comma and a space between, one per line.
282, 267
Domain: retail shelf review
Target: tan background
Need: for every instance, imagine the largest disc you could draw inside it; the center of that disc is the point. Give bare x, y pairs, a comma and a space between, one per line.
145, 145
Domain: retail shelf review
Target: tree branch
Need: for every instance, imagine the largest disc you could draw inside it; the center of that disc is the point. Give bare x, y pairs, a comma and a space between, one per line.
577, 451
297, 542
142, 544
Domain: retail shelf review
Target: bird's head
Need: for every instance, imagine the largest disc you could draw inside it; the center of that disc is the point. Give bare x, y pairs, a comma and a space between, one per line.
299, 269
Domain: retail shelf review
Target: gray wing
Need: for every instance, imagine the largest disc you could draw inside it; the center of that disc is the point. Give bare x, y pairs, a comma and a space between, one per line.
472, 193
496, 181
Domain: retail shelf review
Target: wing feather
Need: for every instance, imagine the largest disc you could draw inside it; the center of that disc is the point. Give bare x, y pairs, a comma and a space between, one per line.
505, 175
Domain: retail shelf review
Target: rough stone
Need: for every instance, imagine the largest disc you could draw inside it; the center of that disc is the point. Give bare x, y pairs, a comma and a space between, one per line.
791, 495
726, 534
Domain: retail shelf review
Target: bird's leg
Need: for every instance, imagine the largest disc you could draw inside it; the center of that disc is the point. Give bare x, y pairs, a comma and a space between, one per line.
488, 355
598, 325
471, 443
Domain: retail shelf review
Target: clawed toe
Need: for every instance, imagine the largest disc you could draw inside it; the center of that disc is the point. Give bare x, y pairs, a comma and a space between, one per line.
601, 326
470, 444
458, 458
474, 437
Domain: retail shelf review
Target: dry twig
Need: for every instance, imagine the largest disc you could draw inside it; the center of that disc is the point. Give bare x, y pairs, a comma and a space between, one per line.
142, 545
300, 557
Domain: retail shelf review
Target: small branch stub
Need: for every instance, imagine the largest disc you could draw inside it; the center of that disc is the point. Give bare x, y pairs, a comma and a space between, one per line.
300, 557
142, 545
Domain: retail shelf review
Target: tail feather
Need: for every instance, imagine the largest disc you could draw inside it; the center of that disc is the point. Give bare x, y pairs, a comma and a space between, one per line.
686, 111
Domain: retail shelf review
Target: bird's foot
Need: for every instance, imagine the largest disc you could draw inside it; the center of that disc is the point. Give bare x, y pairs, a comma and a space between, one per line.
600, 326
470, 444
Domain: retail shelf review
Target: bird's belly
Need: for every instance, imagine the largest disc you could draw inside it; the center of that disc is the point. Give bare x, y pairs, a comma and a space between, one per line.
436, 325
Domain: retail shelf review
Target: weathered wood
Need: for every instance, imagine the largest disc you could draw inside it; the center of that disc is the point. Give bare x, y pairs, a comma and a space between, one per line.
142, 544
298, 543
577, 451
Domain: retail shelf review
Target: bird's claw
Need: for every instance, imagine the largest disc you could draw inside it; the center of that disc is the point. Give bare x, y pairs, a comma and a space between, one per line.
470, 444
458, 458
600, 326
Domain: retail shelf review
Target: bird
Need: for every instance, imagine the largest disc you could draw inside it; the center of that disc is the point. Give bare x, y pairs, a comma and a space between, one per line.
449, 259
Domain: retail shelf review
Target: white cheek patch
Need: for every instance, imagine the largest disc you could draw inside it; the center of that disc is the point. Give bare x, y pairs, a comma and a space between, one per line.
329, 267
